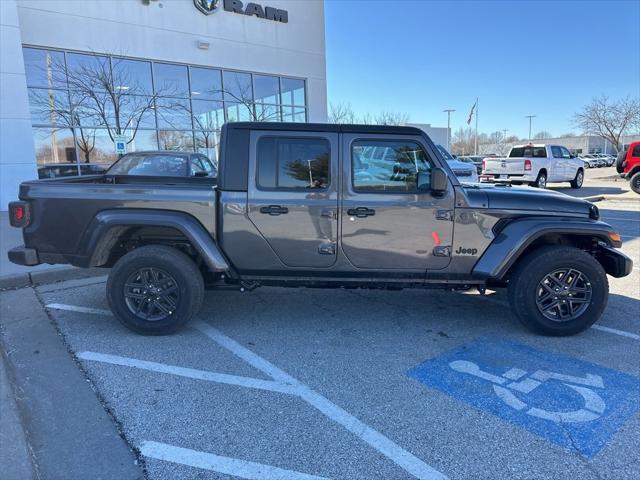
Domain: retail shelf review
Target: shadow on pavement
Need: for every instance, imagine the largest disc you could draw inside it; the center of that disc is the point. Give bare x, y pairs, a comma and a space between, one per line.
591, 191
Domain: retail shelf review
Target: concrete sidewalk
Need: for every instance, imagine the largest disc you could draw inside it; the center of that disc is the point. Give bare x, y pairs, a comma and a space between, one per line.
17, 276
70, 434
15, 457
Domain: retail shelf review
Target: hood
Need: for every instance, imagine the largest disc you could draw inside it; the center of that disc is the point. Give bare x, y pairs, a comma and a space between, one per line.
534, 199
457, 165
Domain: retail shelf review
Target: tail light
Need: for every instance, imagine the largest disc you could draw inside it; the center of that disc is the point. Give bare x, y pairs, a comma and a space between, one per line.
527, 164
19, 214
484, 164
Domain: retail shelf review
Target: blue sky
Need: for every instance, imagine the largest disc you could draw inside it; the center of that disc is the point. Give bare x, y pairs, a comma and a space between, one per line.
545, 58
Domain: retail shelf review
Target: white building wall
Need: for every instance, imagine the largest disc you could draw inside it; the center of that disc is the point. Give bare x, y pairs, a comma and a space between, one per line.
166, 30
17, 156
438, 135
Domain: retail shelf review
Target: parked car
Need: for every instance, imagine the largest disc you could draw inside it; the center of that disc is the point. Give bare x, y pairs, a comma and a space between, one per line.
476, 160
55, 170
535, 165
465, 171
590, 161
164, 164
289, 209
628, 165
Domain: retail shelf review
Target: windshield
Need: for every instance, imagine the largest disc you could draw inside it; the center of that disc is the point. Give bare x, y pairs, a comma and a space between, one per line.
535, 152
163, 165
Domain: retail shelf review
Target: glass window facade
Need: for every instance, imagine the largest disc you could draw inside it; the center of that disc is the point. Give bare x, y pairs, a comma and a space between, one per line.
80, 102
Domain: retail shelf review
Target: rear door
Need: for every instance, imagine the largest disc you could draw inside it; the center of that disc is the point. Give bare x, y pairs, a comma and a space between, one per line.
386, 223
292, 195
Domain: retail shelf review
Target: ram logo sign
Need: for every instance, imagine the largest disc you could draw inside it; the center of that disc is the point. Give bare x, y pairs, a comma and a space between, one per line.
250, 9
206, 6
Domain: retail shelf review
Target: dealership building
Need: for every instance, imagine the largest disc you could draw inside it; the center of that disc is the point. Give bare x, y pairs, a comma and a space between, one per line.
80, 78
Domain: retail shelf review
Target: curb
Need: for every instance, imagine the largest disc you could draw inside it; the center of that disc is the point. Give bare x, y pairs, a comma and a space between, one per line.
21, 280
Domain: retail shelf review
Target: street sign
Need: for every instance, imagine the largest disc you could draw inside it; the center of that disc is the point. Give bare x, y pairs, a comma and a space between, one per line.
120, 143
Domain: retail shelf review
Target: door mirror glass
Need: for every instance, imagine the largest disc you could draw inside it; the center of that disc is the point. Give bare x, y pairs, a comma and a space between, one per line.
424, 180
439, 181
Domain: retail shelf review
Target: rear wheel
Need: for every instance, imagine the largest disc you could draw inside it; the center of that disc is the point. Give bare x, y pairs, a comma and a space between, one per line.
154, 290
620, 160
558, 290
578, 181
634, 182
541, 181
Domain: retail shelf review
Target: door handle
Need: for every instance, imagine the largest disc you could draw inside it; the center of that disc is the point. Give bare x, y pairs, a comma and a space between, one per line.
274, 210
361, 212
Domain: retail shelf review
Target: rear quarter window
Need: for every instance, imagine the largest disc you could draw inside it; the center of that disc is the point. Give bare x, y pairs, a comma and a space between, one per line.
531, 152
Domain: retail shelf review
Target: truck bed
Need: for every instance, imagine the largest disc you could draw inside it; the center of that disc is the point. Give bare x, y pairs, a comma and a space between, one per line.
64, 207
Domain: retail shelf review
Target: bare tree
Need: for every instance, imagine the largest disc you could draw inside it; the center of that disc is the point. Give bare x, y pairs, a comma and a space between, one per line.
608, 119
542, 135
341, 113
103, 94
391, 118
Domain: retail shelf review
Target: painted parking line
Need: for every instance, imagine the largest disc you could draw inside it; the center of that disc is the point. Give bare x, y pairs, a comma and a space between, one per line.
248, 382
379, 442
216, 463
76, 308
401, 457
596, 326
615, 331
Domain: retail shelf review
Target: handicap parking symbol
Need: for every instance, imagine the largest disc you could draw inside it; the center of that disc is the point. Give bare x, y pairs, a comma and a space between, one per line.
573, 403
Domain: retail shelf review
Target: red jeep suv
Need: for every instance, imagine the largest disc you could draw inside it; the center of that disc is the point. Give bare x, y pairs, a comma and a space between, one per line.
628, 165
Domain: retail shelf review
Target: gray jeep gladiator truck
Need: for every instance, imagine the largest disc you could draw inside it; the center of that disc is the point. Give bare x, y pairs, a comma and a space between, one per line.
318, 205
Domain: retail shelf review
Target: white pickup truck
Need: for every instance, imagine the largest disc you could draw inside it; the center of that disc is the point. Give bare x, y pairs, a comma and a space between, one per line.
535, 165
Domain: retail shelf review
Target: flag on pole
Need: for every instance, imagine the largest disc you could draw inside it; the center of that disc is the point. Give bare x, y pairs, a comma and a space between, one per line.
471, 112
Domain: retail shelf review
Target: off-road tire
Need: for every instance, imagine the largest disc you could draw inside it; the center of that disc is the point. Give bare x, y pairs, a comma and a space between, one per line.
634, 182
524, 282
188, 279
538, 184
622, 156
579, 180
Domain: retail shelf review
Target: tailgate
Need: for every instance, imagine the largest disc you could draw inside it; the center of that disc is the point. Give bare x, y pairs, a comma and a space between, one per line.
499, 166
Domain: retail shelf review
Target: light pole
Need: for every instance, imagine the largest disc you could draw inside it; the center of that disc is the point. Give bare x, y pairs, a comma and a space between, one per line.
449, 110
529, 117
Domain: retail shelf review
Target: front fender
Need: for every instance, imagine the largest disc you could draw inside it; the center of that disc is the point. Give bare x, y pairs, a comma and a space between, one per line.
97, 238
519, 234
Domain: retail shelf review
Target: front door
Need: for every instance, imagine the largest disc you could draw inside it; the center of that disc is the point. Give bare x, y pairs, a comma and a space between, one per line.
293, 195
386, 222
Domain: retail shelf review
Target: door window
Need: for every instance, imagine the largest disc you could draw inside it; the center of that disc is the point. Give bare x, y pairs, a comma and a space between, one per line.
636, 151
293, 163
387, 166
565, 153
556, 152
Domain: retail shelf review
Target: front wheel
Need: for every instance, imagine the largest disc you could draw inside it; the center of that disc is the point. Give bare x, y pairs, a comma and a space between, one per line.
634, 182
154, 290
558, 290
579, 180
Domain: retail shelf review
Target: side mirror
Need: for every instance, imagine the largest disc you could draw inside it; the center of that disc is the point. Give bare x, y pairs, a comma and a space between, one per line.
439, 181
434, 180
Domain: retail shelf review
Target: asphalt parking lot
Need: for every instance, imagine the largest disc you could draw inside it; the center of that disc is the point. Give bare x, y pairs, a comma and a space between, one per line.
303, 384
